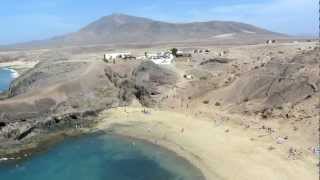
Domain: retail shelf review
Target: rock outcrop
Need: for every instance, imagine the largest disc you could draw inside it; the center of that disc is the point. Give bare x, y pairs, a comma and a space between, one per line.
279, 81
62, 95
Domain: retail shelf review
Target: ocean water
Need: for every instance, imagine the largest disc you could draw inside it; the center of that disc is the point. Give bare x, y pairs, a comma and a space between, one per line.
6, 76
101, 157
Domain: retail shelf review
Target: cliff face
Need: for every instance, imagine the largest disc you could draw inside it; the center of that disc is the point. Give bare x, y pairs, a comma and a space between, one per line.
67, 94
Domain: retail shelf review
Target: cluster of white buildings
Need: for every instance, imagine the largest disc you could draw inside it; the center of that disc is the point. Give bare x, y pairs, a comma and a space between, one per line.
161, 58
114, 56
164, 58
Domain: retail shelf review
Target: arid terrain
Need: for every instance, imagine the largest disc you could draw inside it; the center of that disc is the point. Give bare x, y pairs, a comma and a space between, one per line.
252, 109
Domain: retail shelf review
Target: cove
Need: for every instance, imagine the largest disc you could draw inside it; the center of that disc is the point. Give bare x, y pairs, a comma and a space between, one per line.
6, 76
102, 157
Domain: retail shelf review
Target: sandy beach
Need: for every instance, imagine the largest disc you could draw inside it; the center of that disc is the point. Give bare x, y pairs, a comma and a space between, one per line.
18, 67
221, 152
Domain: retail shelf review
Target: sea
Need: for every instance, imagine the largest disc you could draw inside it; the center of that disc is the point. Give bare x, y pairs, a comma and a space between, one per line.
101, 157
6, 77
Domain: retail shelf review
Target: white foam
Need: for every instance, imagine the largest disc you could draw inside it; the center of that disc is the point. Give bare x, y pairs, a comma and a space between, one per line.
14, 73
6, 159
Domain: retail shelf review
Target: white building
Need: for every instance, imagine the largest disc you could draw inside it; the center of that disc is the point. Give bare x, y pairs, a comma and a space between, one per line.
163, 58
180, 53
114, 56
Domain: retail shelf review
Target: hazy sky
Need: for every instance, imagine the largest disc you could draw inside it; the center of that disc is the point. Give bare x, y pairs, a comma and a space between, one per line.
25, 20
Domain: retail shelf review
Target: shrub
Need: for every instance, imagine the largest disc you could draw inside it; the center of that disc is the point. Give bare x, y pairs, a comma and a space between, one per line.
174, 51
206, 102
203, 78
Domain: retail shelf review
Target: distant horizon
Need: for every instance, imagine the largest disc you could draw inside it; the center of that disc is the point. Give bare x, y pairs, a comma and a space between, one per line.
25, 21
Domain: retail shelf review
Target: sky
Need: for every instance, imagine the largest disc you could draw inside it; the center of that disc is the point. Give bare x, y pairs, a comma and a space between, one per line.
26, 20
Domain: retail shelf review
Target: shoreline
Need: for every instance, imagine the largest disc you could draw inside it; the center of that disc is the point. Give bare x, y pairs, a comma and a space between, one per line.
207, 147
156, 140
39, 145
14, 73
44, 144
179, 152
211, 149
18, 67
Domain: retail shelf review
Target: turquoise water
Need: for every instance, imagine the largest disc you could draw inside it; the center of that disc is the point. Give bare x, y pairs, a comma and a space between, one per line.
5, 79
101, 157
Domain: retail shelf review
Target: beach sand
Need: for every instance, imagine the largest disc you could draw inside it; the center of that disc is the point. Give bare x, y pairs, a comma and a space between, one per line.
221, 152
18, 67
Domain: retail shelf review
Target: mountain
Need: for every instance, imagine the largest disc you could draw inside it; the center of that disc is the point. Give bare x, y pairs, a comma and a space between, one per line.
124, 29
